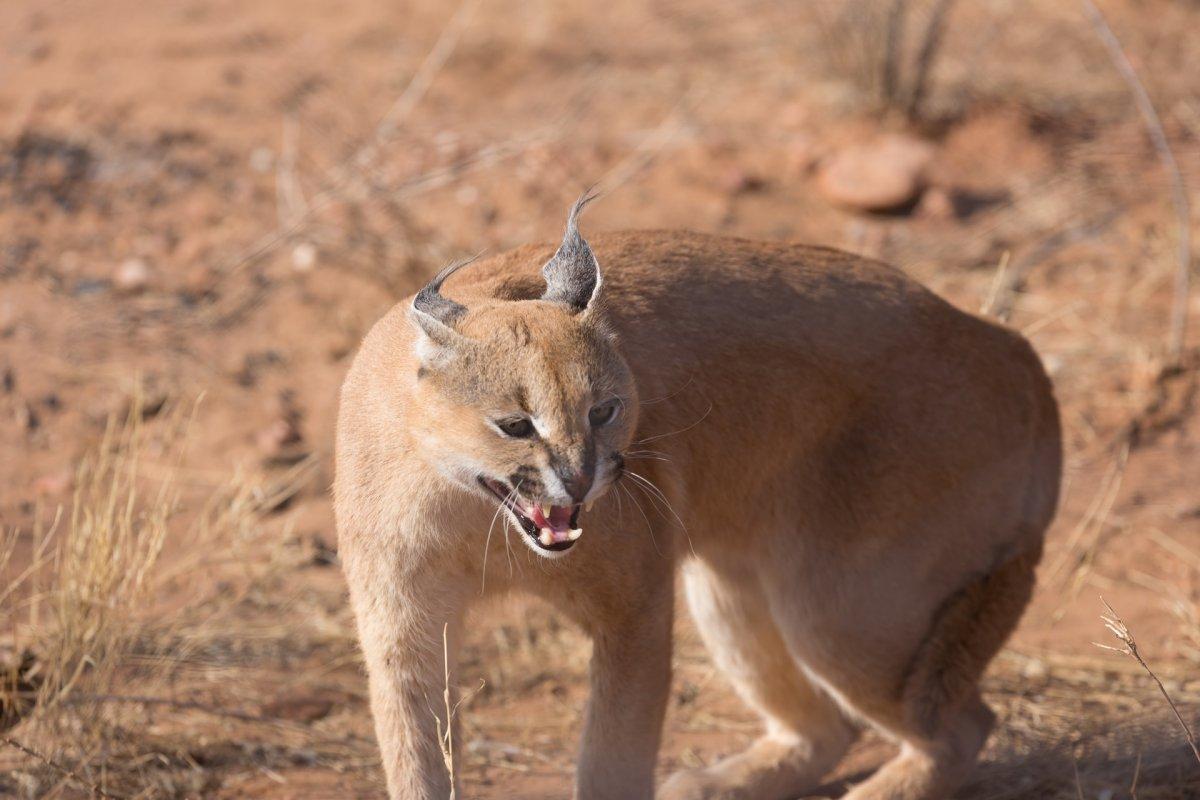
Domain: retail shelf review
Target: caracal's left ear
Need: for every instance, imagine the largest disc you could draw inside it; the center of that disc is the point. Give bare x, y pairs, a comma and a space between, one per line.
436, 316
572, 274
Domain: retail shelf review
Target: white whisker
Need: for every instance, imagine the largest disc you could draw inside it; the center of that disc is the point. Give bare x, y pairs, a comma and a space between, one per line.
681, 430
649, 526
649, 485
487, 542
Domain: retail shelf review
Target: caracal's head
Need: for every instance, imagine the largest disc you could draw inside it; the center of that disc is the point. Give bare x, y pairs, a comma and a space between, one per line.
526, 402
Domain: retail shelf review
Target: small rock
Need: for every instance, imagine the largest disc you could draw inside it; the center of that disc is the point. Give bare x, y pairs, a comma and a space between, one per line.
278, 435
936, 203
262, 159
886, 174
53, 484
802, 155
26, 417
740, 181
304, 257
132, 277
299, 708
322, 554
1035, 669
89, 286
467, 196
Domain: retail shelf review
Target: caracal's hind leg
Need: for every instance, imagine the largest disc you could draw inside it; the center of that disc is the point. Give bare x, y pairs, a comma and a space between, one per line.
939, 717
931, 768
806, 733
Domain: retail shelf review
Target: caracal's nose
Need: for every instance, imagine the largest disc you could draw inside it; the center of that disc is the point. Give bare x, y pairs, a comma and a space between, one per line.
578, 483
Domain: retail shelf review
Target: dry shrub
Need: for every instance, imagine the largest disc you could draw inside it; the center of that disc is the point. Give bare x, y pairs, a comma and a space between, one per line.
887, 49
92, 645
78, 607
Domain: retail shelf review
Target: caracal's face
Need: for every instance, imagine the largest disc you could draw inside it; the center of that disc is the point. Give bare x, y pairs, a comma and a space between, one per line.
529, 405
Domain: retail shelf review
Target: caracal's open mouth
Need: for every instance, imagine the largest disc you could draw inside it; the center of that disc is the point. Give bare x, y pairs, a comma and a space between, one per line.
550, 528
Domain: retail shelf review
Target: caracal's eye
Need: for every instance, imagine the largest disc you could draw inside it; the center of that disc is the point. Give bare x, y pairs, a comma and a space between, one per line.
603, 413
516, 427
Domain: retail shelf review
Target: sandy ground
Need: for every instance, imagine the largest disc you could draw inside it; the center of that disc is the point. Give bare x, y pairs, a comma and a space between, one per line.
215, 199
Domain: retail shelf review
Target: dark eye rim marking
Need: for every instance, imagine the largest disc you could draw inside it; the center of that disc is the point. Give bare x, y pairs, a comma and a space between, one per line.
515, 427
608, 411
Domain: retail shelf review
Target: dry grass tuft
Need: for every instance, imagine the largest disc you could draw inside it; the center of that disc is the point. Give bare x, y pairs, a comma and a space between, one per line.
92, 652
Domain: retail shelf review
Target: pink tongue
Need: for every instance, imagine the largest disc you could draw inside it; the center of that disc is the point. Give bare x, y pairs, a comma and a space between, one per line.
559, 520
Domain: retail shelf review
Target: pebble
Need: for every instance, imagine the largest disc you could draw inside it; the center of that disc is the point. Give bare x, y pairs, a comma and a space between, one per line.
885, 174
54, 484
304, 257
262, 159
133, 276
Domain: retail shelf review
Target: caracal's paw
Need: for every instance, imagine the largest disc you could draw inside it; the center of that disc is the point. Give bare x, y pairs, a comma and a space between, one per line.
695, 784
773, 768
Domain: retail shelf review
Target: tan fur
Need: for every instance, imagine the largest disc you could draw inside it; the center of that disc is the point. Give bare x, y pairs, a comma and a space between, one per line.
858, 475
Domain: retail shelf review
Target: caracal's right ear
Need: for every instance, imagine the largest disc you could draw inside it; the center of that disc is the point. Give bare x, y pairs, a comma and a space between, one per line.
435, 317
572, 274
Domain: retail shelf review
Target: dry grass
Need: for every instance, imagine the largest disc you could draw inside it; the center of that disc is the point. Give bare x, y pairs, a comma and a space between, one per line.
888, 50
1119, 629
101, 620
83, 607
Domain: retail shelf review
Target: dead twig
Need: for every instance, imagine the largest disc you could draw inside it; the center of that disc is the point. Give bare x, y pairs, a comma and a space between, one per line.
931, 40
1119, 629
66, 772
183, 705
1158, 136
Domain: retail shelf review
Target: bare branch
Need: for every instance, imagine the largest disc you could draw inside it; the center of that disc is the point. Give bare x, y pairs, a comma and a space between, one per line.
64, 771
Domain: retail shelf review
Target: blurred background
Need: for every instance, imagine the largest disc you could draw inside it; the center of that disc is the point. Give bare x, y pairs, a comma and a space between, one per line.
204, 205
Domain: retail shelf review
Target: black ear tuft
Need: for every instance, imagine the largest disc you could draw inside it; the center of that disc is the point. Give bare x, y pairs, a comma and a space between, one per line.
572, 274
435, 313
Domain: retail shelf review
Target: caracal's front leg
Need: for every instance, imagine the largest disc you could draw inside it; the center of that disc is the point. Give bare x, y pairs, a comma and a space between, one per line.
408, 618
630, 683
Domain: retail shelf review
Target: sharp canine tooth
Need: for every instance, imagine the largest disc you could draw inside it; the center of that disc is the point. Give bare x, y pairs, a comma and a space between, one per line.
575, 534
547, 537
588, 505
546, 510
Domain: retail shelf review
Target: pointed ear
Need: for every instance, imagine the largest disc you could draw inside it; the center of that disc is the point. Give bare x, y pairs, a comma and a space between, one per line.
572, 274
436, 315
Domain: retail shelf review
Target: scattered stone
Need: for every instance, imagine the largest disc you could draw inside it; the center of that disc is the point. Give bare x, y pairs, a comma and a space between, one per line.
8, 380
886, 174
467, 195
1035, 669
132, 277
282, 443
323, 555
802, 155
26, 418
304, 257
305, 709
936, 203
54, 484
255, 363
277, 437
262, 160
87, 286
740, 181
